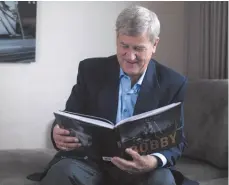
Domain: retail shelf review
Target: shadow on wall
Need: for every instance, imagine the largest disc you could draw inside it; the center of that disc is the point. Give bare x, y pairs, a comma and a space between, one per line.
49, 144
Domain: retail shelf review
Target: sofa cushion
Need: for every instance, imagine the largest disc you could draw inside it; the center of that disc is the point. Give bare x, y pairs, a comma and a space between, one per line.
17, 181
15, 165
220, 181
199, 170
206, 121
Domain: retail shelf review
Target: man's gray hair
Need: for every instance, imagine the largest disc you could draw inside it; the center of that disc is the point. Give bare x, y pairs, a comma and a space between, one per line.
135, 20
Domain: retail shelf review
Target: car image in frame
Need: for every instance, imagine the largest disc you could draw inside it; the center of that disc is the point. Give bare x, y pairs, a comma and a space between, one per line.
17, 31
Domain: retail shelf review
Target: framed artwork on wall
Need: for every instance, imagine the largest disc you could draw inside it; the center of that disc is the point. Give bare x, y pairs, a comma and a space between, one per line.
18, 31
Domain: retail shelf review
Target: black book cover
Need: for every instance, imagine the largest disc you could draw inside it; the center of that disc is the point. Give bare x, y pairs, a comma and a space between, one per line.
145, 133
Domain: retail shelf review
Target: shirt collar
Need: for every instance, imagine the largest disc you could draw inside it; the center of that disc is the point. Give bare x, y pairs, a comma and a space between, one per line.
140, 80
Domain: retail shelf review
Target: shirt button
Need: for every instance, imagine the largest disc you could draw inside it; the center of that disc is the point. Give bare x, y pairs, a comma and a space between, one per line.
125, 110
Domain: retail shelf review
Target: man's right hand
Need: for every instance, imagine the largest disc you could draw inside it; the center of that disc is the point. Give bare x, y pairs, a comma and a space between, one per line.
63, 140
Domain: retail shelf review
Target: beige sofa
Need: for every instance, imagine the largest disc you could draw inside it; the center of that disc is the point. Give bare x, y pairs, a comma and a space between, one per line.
205, 160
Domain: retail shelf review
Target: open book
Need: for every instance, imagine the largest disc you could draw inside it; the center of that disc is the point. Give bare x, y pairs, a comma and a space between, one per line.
145, 133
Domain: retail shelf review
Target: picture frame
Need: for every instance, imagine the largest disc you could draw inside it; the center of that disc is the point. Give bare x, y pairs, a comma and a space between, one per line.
18, 31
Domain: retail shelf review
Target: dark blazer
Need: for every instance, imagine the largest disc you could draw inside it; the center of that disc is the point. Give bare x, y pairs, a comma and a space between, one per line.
96, 93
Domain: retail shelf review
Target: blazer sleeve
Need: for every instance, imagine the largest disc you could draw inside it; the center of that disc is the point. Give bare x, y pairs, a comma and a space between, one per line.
173, 154
77, 99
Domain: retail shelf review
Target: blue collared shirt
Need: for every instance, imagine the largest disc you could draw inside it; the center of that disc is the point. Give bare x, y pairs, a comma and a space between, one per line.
127, 99
127, 96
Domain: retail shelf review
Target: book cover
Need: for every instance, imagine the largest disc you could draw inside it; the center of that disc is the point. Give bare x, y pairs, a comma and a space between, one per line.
145, 133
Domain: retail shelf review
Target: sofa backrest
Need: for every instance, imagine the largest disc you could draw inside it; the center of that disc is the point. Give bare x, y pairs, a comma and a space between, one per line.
206, 121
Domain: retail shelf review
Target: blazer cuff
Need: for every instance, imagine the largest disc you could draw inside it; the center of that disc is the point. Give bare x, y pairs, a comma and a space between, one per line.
162, 157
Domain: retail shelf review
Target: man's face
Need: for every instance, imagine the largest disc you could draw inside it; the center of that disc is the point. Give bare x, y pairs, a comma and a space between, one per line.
134, 53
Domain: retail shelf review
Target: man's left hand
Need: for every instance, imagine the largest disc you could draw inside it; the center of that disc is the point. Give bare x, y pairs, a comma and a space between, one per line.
140, 164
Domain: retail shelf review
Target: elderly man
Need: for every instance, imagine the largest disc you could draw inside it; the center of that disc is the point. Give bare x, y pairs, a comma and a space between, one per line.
115, 88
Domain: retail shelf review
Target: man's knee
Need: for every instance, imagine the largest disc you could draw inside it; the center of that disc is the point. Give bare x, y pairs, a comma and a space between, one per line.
63, 168
161, 176
68, 172
58, 172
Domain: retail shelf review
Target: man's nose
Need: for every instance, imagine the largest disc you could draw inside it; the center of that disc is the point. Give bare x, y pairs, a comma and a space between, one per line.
131, 55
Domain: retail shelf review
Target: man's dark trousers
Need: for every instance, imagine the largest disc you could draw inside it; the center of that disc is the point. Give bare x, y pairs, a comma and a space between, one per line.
85, 172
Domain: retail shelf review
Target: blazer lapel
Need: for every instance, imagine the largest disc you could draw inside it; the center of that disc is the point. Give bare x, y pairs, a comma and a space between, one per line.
148, 97
108, 96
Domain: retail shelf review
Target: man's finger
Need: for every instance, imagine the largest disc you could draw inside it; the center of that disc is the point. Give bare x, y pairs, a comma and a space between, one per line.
72, 145
58, 138
66, 139
61, 147
135, 155
70, 139
61, 131
68, 145
116, 163
60, 144
122, 163
120, 166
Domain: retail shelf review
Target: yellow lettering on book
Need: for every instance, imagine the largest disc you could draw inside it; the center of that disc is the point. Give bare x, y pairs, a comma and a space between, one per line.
154, 144
164, 142
143, 147
172, 137
135, 148
151, 145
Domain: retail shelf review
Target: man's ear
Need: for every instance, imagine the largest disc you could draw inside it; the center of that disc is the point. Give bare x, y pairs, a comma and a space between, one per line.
156, 42
155, 45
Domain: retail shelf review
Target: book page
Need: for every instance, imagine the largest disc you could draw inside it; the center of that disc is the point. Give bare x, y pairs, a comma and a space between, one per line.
149, 113
87, 119
92, 117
